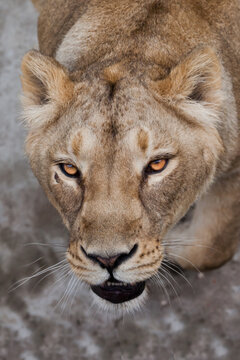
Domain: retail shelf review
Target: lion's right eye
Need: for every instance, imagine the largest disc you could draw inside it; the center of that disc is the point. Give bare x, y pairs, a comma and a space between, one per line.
69, 170
156, 166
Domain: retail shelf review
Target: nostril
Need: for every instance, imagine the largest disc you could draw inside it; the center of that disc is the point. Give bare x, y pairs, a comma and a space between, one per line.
84, 251
124, 257
113, 261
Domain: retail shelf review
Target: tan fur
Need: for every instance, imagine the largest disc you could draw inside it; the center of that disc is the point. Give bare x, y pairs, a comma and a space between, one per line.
113, 73
46, 87
143, 140
138, 80
39, 4
205, 73
42, 75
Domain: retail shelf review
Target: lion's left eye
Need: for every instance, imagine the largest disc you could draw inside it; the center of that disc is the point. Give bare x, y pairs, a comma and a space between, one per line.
69, 170
156, 166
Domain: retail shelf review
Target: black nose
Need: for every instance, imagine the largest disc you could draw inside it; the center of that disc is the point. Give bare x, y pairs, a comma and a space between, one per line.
111, 262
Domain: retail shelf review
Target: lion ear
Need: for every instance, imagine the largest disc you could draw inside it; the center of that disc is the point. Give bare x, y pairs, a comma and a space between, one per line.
197, 80
45, 84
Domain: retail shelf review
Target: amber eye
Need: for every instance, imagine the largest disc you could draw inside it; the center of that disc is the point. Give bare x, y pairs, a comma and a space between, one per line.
156, 166
69, 170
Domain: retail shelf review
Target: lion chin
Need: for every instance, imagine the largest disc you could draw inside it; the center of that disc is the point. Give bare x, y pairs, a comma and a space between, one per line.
116, 309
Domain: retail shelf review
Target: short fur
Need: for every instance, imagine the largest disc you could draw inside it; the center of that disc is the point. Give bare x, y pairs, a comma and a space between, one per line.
115, 85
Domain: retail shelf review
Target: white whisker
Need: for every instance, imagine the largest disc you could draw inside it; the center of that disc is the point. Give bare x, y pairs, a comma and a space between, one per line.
69, 294
168, 263
192, 242
33, 262
168, 273
185, 259
62, 299
64, 268
169, 282
21, 282
158, 281
43, 244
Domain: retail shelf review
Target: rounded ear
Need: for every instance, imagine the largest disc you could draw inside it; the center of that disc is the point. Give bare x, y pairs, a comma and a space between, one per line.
44, 79
45, 83
198, 77
195, 83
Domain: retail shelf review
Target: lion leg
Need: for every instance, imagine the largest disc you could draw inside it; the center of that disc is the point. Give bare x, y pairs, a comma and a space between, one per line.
210, 237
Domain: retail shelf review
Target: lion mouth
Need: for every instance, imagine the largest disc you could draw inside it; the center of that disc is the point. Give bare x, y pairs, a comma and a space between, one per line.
117, 292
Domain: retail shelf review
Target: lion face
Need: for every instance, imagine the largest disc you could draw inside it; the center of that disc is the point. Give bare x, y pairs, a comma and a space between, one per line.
122, 170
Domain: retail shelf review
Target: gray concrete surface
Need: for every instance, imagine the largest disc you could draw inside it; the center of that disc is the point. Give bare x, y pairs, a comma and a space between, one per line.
202, 323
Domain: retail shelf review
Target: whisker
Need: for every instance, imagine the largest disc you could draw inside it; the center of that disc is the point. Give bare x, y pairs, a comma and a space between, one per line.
40, 268
71, 292
43, 244
65, 273
33, 262
75, 292
169, 282
158, 281
65, 268
168, 273
180, 244
168, 263
172, 242
61, 279
21, 282
183, 258
62, 299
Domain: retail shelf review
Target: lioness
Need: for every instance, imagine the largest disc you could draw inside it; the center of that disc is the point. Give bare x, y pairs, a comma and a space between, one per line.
132, 114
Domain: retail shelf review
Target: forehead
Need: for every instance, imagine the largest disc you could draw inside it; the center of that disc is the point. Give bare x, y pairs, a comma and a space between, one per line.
121, 135
130, 122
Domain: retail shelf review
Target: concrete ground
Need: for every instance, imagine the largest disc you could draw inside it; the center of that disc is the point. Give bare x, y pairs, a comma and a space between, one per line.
202, 323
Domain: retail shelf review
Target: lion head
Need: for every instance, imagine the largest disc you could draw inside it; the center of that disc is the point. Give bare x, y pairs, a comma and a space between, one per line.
122, 156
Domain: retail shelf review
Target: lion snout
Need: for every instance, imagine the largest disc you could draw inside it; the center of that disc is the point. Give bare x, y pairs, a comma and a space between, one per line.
110, 262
